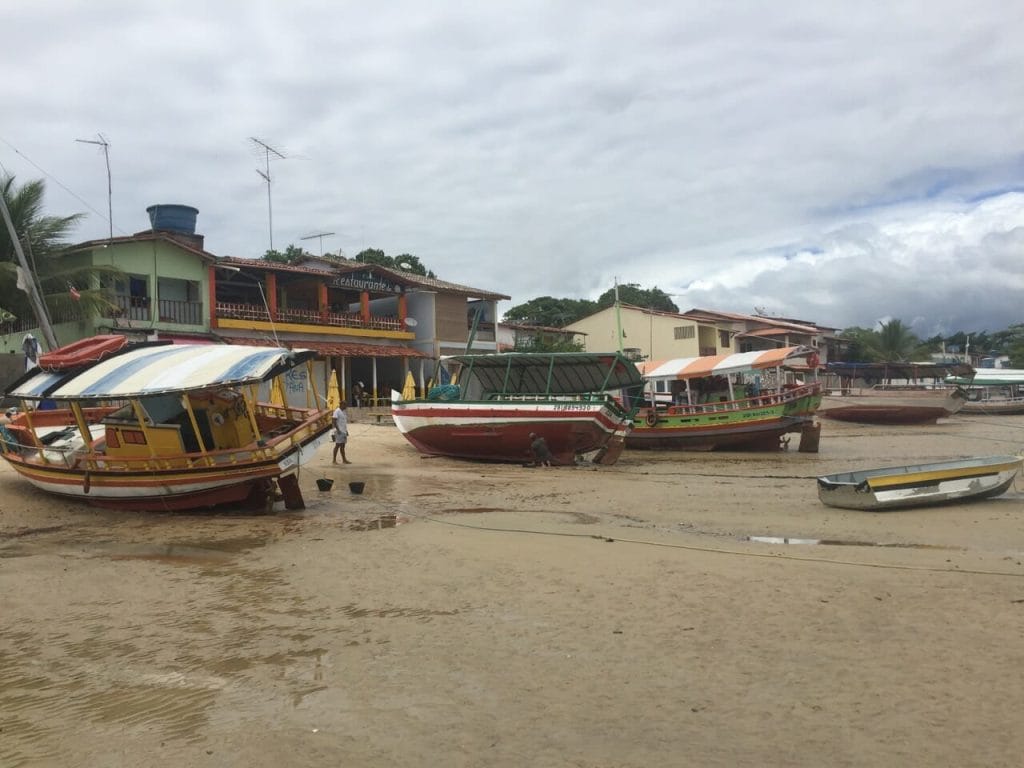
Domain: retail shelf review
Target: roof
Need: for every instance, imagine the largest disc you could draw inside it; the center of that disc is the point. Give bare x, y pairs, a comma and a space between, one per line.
719, 365
900, 370
344, 266
342, 349
710, 314
990, 377
557, 373
157, 368
145, 237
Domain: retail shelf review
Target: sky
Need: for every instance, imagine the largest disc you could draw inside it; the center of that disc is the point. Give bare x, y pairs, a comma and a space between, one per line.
841, 163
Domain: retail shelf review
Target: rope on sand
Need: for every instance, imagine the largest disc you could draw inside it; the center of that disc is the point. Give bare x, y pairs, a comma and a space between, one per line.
718, 551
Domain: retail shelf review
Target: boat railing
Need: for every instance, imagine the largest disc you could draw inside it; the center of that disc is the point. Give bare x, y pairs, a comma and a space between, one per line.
745, 403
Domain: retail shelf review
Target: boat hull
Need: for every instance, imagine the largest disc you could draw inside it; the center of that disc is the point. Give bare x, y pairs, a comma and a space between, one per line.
752, 424
500, 431
876, 406
919, 485
994, 407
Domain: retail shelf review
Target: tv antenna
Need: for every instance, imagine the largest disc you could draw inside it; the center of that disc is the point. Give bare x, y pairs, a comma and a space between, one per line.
101, 141
320, 235
267, 151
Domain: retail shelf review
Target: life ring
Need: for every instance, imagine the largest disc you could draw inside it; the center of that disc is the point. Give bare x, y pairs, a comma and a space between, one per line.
82, 352
651, 418
813, 361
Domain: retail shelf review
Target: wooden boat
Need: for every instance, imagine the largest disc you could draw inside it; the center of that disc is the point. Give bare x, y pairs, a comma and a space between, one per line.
992, 391
891, 393
500, 399
744, 400
920, 485
162, 426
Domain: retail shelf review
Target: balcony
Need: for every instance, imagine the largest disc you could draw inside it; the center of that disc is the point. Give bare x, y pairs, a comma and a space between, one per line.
256, 313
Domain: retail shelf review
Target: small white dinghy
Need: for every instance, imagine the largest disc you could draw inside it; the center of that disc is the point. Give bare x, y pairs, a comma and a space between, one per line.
920, 485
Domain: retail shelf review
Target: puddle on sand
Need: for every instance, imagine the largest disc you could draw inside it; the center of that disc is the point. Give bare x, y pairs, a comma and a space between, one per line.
376, 523
843, 543
211, 552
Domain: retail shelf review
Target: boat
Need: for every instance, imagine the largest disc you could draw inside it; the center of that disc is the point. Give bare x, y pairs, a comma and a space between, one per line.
921, 484
891, 393
743, 400
492, 402
992, 391
163, 426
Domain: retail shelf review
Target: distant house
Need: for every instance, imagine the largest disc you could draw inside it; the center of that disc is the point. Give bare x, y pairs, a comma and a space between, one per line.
643, 333
513, 336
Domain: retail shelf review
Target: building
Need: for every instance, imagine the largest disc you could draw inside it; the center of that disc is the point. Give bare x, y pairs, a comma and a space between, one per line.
370, 324
643, 333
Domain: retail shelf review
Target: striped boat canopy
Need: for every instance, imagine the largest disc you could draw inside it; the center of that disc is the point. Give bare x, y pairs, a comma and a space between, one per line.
162, 368
720, 365
990, 377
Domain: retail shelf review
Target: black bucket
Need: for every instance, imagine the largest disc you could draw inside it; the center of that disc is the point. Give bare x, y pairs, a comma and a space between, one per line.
325, 484
356, 487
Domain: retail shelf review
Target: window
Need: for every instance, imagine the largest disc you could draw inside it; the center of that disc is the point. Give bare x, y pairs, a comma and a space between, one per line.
684, 331
723, 339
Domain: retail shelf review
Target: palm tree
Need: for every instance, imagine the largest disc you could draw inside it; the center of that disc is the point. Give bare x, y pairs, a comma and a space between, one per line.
896, 342
43, 241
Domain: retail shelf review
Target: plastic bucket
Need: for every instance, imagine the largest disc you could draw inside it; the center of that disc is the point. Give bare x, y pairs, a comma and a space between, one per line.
356, 487
325, 484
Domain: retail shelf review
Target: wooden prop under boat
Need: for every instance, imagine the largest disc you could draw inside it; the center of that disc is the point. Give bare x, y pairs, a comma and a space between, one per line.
162, 426
722, 407
919, 485
501, 398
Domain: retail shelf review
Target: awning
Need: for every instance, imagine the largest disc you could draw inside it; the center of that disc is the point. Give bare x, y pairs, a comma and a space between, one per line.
338, 349
720, 365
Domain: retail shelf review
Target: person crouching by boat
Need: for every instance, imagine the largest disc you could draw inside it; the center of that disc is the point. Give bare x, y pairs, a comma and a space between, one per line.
539, 451
340, 418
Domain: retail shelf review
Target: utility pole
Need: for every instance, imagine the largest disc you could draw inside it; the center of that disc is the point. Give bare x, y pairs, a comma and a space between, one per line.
27, 281
320, 235
267, 152
102, 142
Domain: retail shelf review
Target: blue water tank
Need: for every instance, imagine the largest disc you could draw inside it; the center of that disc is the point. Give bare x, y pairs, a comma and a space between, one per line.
173, 218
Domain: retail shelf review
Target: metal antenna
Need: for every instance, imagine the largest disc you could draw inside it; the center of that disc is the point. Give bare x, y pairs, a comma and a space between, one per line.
321, 235
267, 152
102, 142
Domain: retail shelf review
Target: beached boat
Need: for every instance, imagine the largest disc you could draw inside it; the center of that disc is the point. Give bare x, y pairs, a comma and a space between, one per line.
992, 391
744, 400
497, 400
920, 485
891, 393
160, 426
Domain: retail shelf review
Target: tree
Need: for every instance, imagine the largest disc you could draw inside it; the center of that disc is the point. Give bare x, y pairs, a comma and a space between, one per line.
549, 311
632, 293
896, 342
1014, 345
43, 241
405, 262
861, 344
291, 255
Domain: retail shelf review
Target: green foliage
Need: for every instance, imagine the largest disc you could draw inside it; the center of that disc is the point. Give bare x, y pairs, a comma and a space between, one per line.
403, 262
1014, 345
44, 243
291, 255
632, 293
549, 311
896, 342
862, 344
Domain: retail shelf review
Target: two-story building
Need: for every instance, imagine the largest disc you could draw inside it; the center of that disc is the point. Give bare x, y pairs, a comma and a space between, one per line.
371, 324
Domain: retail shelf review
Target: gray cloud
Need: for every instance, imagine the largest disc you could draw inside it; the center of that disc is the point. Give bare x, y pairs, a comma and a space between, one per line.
540, 148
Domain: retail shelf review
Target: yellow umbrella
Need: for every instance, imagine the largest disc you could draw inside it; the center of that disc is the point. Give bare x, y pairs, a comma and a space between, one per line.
409, 389
333, 395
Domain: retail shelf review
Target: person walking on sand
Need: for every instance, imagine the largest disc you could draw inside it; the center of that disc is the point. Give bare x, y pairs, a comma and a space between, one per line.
340, 418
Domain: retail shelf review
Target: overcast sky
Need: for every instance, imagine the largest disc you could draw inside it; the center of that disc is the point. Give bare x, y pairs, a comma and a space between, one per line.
839, 162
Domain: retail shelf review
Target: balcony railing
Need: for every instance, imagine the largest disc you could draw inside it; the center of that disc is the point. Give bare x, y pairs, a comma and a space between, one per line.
254, 312
185, 312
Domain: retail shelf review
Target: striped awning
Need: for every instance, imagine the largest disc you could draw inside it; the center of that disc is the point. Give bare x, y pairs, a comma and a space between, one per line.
720, 365
162, 368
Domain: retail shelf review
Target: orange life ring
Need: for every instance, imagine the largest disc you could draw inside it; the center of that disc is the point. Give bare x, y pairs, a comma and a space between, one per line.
83, 352
651, 418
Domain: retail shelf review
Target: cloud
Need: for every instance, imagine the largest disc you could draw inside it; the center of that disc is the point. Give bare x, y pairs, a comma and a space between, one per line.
755, 153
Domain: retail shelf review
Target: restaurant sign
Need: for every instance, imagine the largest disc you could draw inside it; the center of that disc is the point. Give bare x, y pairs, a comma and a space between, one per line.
365, 281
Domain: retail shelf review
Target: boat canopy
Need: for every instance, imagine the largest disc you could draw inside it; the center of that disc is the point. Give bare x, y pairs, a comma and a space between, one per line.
161, 368
556, 373
719, 365
990, 377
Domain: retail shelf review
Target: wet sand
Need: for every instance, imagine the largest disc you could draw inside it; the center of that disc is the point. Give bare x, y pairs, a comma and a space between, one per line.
465, 614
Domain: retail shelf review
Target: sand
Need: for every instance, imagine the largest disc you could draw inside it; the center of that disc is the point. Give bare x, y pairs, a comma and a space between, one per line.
463, 614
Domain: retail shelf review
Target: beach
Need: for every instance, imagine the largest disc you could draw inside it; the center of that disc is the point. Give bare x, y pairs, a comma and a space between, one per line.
466, 614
